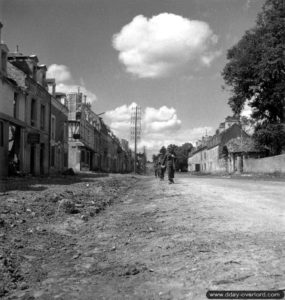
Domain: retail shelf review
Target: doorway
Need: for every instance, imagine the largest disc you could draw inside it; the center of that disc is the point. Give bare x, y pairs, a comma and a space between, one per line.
42, 159
32, 159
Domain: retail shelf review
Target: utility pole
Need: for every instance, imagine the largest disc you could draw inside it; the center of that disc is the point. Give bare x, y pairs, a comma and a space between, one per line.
136, 121
145, 159
135, 130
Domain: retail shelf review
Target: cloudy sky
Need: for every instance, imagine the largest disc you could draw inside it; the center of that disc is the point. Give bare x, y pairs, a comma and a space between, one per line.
163, 55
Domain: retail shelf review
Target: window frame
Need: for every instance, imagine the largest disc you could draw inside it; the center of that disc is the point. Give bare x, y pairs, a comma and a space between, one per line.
53, 127
33, 112
43, 117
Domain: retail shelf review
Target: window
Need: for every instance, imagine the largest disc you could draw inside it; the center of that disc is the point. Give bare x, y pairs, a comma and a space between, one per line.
33, 112
65, 132
1, 134
15, 105
43, 117
53, 127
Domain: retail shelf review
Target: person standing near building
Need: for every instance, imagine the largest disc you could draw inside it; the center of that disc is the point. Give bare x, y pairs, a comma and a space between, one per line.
169, 162
156, 169
162, 167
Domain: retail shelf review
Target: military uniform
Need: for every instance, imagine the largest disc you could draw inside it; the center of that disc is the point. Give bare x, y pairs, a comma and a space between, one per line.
162, 168
156, 169
169, 162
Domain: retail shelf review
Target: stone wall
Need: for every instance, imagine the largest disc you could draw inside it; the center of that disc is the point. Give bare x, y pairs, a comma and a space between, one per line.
271, 164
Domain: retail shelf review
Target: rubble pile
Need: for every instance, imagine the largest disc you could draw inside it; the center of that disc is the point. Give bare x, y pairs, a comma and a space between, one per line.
30, 209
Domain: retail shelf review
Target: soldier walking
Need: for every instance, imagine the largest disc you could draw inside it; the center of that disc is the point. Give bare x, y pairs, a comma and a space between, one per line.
162, 167
156, 168
169, 162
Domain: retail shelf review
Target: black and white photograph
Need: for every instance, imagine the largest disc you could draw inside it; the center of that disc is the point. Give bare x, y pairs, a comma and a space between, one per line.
142, 149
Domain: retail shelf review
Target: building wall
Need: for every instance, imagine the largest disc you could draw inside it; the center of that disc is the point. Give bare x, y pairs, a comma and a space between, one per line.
7, 95
11, 118
74, 156
193, 161
41, 149
210, 159
265, 165
4, 140
215, 164
58, 137
6, 107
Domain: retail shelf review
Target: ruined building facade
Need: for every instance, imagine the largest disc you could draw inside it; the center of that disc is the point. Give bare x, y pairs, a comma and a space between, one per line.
43, 132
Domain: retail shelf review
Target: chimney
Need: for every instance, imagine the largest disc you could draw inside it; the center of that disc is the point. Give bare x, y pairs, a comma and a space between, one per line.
3, 54
222, 127
51, 86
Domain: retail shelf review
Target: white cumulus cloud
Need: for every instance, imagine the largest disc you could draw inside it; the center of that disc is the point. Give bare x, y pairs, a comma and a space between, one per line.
154, 47
65, 82
160, 127
61, 73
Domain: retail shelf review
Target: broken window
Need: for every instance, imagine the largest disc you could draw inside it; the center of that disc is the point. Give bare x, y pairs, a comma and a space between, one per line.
33, 112
53, 127
14, 149
43, 117
15, 105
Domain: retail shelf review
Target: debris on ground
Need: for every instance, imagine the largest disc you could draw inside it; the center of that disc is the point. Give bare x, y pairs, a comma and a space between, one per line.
39, 217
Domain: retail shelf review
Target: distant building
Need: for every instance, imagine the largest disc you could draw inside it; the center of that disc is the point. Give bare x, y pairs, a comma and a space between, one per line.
58, 130
125, 144
238, 150
210, 154
84, 128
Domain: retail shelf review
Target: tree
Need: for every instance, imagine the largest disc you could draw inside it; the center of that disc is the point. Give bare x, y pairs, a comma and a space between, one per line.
162, 150
271, 137
155, 157
182, 156
256, 71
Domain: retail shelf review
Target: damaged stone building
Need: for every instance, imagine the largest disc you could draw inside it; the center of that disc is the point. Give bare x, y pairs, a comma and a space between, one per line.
43, 131
92, 145
26, 108
58, 129
12, 119
211, 154
83, 134
30, 78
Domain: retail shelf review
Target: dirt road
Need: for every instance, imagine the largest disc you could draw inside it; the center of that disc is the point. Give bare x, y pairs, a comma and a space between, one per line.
160, 241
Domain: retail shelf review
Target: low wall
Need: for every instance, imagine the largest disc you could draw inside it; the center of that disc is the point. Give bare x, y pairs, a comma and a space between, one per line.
271, 164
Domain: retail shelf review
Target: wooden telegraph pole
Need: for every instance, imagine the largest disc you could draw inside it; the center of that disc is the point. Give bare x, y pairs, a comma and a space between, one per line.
135, 130
136, 120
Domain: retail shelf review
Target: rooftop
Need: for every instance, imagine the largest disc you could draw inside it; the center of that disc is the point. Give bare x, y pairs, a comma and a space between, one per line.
244, 144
